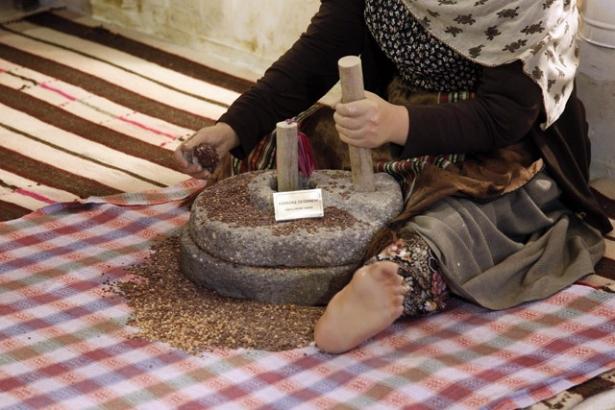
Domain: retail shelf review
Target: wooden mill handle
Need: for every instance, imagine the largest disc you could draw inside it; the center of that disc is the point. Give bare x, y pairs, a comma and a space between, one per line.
287, 157
351, 78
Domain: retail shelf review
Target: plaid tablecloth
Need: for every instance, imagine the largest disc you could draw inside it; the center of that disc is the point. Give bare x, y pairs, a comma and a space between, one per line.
64, 343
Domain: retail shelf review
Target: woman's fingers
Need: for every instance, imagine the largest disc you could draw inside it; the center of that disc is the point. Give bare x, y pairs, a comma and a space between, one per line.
195, 170
184, 156
348, 133
180, 158
357, 138
201, 175
355, 118
354, 109
351, 123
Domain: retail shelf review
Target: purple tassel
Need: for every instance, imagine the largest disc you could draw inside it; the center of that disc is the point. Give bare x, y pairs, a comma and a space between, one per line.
306, 156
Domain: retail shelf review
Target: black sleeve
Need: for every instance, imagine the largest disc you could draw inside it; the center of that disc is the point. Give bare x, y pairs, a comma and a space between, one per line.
301, 76
507, 106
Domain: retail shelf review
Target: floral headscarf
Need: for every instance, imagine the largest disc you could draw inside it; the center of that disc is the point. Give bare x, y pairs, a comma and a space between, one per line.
540, 33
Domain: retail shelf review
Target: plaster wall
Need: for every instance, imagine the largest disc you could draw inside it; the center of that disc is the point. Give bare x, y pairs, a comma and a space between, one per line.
248, 33
596, 88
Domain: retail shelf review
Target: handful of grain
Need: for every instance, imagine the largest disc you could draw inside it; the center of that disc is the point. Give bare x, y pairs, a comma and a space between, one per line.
207, 156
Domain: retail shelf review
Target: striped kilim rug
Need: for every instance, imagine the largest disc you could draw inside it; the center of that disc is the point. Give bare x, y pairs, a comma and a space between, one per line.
86, 113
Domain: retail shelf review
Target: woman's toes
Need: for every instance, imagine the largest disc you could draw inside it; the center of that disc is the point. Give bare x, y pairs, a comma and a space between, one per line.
386, 271
399, 280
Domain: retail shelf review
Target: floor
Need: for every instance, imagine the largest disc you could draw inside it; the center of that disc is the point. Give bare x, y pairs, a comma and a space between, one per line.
67, 89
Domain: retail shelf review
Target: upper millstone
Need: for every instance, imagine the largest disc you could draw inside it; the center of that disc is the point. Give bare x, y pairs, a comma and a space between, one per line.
233, 221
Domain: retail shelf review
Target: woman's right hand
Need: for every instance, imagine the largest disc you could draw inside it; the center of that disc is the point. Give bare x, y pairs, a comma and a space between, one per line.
221, 136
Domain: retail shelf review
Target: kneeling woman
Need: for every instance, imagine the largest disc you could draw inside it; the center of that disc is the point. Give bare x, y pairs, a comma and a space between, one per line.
474, 105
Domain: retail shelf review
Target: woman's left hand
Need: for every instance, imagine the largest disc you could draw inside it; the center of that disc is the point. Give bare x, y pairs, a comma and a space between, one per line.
371, 122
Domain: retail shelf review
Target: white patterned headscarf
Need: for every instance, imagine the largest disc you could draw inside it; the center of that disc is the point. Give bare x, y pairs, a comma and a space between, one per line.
540, 33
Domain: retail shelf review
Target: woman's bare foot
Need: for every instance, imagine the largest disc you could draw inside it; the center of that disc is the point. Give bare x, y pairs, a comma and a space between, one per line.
370, 303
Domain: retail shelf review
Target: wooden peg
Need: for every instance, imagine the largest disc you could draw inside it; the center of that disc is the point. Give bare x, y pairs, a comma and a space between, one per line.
287, 157
351, 78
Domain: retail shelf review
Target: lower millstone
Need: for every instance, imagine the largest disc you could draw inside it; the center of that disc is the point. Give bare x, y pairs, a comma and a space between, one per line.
233, 245
299, 286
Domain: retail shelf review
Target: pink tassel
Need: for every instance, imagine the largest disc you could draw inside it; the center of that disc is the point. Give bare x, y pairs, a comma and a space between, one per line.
306, 156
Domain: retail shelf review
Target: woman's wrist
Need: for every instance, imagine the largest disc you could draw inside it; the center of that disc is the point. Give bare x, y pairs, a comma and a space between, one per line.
400, 124
230, 139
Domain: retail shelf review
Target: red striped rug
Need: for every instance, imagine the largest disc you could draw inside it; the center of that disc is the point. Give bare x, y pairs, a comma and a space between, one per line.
86, 112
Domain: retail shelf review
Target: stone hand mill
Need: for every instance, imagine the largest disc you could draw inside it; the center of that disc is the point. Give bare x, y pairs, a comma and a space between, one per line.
233, 245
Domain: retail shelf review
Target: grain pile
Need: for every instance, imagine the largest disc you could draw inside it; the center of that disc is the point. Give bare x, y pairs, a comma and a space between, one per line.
168, 307
230, 203
207, 156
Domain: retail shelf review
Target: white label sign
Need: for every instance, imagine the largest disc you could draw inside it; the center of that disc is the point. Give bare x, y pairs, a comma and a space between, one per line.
298, 205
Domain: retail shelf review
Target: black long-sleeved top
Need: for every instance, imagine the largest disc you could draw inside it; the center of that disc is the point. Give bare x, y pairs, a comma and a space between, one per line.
507, 107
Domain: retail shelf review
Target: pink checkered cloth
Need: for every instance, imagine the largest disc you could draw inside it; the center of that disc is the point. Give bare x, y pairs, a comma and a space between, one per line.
63, 344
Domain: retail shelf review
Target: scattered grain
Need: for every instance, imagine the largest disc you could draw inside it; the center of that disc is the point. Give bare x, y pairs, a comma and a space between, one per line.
168, 307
